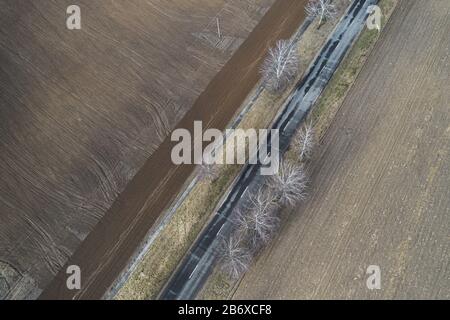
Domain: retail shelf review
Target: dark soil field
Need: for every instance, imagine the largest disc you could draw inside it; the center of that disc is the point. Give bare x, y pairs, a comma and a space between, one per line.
380, 189
82, 110
84, 119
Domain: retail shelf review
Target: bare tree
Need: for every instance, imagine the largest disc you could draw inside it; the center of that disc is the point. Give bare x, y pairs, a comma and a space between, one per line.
219, 33
258, 219
208, 172
305, 142
280, 66
290, 183
235, 257
324, 9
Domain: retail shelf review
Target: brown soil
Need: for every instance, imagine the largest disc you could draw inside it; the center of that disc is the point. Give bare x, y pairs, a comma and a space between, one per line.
81, 111
106, 250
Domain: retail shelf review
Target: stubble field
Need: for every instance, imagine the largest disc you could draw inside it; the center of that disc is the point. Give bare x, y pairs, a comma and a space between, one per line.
380, 179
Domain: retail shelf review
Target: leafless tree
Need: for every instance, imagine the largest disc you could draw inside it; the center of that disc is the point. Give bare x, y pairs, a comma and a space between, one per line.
280, 66
324, 9
258, 218
305, 142
208, 172
235, 257
290, 183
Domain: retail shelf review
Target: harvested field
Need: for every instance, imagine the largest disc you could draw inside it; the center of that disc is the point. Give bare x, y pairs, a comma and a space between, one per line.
81, 111
380, 190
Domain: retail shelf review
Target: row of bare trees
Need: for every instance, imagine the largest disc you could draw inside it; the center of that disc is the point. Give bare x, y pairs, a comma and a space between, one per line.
258, 217
324, 10
280, 66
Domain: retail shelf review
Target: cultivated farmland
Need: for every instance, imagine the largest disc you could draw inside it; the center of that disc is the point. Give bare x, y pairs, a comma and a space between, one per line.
81, 111
380, 180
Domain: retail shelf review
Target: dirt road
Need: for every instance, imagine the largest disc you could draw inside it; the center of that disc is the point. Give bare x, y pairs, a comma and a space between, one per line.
380, 191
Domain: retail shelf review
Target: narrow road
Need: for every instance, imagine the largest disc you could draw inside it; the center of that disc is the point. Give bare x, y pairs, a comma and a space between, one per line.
196, 266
